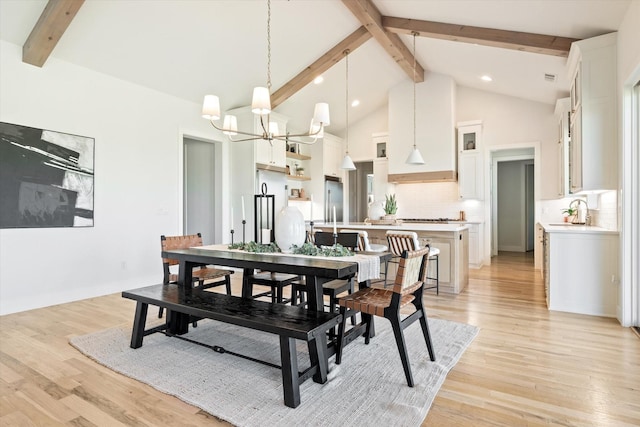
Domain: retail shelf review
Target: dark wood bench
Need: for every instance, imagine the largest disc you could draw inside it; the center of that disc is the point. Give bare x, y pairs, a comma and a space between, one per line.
289, 323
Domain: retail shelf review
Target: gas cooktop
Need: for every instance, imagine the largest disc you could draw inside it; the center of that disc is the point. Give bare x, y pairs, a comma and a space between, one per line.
430, 220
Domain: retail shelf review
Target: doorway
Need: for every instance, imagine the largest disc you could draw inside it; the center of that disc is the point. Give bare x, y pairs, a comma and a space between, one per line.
360, 191
513, 200
199, 189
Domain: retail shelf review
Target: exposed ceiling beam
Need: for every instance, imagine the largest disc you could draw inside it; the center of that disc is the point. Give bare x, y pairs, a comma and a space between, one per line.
516, 40
326, 61
370, 17
53, 22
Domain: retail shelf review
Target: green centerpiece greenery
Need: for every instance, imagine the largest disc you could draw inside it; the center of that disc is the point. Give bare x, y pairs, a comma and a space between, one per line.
312, 250
306, 249
256, 247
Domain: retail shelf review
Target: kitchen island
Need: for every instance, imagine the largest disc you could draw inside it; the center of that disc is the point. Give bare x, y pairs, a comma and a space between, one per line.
451, 239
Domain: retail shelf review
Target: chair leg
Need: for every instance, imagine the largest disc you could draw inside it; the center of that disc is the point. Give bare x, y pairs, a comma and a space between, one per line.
340, 342
368, 320
427, 335
160, 312
294, 294
402, 349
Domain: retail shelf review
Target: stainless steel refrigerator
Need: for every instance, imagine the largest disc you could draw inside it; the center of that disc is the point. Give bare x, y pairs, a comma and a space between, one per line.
332, 197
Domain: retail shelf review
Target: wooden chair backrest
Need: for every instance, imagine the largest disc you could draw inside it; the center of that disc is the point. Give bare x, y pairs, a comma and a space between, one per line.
168, 243
411, 271
400, 241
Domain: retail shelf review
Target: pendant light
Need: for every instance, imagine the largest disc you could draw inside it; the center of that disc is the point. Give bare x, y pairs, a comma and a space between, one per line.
415, 158
347, 163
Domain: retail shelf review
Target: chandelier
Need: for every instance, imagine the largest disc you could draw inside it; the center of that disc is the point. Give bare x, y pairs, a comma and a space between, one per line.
347, 163
261, 106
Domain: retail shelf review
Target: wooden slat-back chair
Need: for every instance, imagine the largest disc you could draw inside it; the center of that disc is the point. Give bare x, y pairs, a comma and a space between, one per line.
407, 288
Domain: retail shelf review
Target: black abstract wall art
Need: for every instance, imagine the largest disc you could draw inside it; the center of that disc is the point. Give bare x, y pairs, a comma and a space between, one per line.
46, 178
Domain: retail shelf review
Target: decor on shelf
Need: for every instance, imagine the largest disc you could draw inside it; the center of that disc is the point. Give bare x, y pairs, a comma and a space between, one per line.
46, 178
347, 163
390, 206
290, 229
415, 158
261, 106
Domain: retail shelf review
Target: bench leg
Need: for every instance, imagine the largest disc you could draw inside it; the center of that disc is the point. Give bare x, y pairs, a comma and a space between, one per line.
139, 322
290, 377
318, 357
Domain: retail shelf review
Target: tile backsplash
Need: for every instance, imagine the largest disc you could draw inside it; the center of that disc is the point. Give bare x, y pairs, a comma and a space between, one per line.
436, 200
440, 200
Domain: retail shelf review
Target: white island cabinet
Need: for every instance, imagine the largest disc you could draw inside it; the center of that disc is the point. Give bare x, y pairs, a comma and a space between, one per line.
451, 239
580, 269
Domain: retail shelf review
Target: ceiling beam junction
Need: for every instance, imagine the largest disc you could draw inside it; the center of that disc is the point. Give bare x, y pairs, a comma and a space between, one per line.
370, 17
53, 22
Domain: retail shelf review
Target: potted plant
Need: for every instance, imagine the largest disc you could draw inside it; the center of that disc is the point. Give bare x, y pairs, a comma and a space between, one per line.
570, 214
390, 206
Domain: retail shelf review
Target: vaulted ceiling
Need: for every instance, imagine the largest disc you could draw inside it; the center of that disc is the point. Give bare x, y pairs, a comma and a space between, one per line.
188, 48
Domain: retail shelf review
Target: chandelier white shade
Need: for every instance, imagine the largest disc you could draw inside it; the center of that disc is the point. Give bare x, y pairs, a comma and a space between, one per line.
261, 106
347, 163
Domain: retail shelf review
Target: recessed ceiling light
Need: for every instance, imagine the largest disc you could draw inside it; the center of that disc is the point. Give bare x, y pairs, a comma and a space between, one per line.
486, 78
355, 103
318, 80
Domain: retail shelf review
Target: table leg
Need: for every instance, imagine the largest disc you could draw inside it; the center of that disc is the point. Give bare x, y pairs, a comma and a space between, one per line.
314, 292
178, 323
290, 376
139, 322
247, 288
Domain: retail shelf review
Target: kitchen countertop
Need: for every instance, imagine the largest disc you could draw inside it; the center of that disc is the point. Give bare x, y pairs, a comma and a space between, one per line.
407, 226
577, 228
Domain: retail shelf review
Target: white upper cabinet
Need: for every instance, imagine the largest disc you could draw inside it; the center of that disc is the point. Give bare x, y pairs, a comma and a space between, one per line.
332, 154
593, 149
563, 113
470, 172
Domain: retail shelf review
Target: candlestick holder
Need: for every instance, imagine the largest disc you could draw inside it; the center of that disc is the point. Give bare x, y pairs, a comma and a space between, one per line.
311, 231
335, 239
244, 223
232, 236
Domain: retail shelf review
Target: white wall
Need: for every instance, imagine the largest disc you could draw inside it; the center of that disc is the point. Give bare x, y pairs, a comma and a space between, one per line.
361, 147
138, 136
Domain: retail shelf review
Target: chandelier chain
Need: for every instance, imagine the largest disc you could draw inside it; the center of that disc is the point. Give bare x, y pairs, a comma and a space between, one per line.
269, 46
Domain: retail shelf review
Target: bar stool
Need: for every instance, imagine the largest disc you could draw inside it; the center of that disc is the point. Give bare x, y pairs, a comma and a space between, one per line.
400, 241
364, 245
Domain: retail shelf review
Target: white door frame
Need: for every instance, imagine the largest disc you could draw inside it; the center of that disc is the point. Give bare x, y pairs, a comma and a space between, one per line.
222, 217
628, 310
490, 188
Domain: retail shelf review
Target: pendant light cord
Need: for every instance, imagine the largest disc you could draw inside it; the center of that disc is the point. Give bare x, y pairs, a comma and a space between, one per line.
414, 90
346, 100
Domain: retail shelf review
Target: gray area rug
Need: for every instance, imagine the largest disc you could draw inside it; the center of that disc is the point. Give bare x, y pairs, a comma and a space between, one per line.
368, 388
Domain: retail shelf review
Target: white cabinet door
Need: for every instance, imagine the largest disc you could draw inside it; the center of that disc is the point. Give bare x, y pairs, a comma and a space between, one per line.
470, 175
332, 156
271, 153
575, 153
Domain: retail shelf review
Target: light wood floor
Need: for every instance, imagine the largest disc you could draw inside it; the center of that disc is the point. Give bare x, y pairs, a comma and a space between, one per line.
527, 366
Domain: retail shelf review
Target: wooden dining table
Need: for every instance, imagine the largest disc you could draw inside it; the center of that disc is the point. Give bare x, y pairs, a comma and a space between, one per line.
315, 270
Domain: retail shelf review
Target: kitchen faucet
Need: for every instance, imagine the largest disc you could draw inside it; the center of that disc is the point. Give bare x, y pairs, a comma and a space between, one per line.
576, 218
